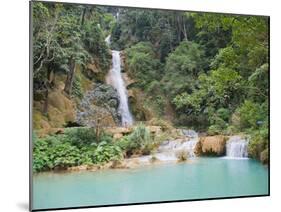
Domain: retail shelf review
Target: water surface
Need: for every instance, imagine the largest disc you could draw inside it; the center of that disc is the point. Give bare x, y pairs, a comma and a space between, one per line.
200, 178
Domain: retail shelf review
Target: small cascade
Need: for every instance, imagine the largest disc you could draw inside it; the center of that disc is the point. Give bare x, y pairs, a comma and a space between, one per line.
115, 79
237, 147
188, 144
168, 150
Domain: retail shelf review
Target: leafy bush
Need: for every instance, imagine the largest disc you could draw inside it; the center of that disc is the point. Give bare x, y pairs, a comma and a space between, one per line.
80, 136
140, 136
231, 130
142, 64
63, 155
76, 147
54, 152
139, 141
264, 156
77, 87
214, 130
258, 143
107, 152
250, 113
41, 156
223, 113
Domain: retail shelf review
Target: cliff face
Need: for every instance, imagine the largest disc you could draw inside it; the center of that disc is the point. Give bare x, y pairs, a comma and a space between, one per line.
60, 111
57, 109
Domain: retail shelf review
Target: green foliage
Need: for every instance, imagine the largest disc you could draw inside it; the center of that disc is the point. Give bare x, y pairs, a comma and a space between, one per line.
64, 36
78, 146
77, 87
107, 152
258, 146
186, 59
139, 141
53, 152
264, 156
41, 158
64, 155
214, 90
142, 64
214, 130
182, 68
250, 114
140, 135
223, 113
81, 136
94, 41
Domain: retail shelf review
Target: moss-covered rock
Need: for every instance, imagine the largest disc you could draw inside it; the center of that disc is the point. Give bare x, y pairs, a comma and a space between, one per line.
94, 72
140, 111
60, 111
40, 121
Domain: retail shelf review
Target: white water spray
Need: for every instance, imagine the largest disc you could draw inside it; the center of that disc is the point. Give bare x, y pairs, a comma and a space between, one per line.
168, 150
115, 79
237, 147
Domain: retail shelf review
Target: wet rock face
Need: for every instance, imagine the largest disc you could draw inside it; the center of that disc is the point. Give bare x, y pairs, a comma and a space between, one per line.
211, 145
100, 104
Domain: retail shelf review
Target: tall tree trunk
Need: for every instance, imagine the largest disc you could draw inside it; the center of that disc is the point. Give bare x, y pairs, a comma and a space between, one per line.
184, 31
46, 102
70, 77
178, 28
47, 85
83, 15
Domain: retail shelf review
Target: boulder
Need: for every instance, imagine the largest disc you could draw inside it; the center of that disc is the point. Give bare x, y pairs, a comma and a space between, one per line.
211, 145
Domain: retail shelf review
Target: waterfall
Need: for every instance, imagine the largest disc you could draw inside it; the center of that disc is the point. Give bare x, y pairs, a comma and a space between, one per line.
188, 144
237, 147
115, 79
168, 150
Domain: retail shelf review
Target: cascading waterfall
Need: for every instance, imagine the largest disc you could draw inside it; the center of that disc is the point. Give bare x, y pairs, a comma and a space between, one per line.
115, 79
168, 150
237, 147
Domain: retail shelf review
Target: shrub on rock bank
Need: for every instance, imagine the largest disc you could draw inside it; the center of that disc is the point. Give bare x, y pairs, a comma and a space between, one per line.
78, 146
138, 142
258, 146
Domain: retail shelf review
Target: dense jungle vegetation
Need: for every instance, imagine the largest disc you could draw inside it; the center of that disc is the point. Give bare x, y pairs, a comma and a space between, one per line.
208, 72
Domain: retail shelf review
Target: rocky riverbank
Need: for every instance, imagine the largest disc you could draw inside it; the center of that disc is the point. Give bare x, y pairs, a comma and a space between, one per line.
183, 149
